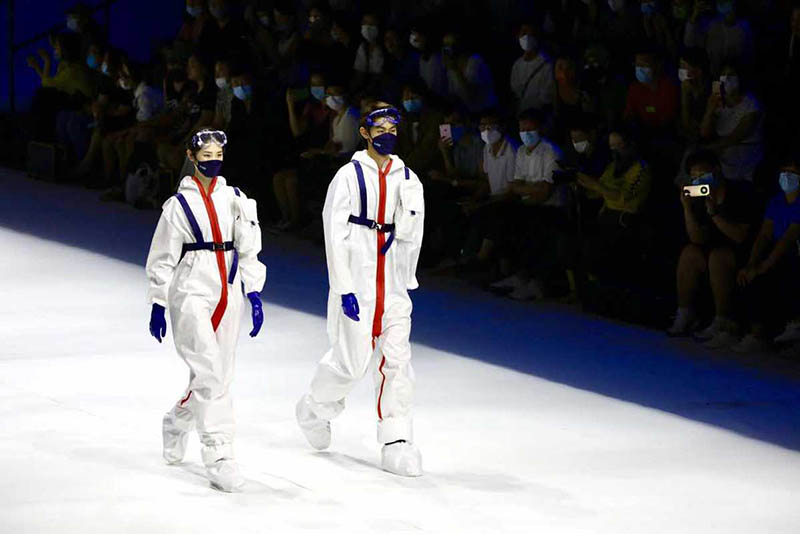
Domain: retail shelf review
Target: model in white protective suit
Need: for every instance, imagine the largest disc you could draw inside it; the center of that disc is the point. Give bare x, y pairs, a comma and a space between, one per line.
373, 220
202, 260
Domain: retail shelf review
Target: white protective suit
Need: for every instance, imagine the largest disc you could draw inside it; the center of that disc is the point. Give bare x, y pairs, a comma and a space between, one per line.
380, 283
204, 303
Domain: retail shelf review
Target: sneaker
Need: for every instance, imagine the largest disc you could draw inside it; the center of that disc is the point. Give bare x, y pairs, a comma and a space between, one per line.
750, 344
683, 324
316, 430
401, 458
512, 282
721, 340
224, 475
530, 291
717, 325
791, 333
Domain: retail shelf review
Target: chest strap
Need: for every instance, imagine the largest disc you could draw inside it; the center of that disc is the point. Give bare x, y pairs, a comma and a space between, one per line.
199, 244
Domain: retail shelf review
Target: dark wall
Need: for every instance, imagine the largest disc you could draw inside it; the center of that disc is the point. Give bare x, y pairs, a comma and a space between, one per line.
137, 26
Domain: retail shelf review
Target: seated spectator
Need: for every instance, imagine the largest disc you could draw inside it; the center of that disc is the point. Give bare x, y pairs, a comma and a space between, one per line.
263, 41
726, 38
418, 135
770, 277
693, 75
317, 35
733, 126
249, 130
569, 102
585, 152
620, 27
530, 225
368, 64
652, 103
469, 79
287, 41
195, 21
613, 243
431, 65
606, 90
401, 66
222, 78
224, 31
81, 24
532, 79
656, 28
718, 227
72, 76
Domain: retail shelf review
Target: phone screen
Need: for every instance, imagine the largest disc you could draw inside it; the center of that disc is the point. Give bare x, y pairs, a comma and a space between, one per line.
445, 131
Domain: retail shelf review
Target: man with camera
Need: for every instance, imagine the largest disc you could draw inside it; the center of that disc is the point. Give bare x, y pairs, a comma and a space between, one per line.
718, 216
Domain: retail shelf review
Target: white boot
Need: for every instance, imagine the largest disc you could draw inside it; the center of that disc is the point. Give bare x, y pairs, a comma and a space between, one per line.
174, 440
316, 429
512, 282
402, 458
684, 322
224, 475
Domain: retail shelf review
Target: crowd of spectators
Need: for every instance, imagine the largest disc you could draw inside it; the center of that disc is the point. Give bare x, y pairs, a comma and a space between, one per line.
553, 138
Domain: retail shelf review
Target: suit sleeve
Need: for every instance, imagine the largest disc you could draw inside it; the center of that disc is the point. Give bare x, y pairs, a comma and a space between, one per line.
164, 255
409, 226
247, 240
335, 215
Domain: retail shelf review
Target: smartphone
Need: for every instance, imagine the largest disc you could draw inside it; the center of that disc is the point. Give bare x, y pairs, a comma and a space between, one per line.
445, 131
702, 190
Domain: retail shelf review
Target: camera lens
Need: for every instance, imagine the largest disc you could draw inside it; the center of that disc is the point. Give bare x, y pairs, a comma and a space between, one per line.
704, 190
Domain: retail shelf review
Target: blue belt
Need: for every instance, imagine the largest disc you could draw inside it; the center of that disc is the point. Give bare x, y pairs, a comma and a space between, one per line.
206, 245
362, 219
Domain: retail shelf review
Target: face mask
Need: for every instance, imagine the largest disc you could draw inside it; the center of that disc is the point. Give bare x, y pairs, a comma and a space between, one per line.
680, 11
370, 33
104, 68
91, 61
264, 20
581, 146
415, 41
218, 12
644, 74
705, 179
194, 11
458, 133
683, 75
413, 105
210, 168
528, 43
789, 182
336, 103
72, 24
243, 92
222, 83
384, 143
530, 139
318, 92
616, 5
724, 8
312, 20
124, 84
490, 137
648, 8
731, 83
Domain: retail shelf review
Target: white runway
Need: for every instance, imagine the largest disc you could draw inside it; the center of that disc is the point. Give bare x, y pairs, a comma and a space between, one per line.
83, 387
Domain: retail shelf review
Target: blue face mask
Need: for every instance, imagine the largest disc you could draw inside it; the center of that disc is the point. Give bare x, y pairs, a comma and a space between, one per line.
243, 92
72, 24
210, 168
724, 8
318, 92
705, 179
413, 106
644, 74
194, 11
789, 182
458, 133
91, 61
530, 139
384, 143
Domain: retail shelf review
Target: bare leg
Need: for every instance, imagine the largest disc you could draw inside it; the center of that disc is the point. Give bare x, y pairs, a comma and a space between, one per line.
691, 265
722, 270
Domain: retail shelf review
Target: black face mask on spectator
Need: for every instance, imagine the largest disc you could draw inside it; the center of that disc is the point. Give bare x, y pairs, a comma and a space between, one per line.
623, 159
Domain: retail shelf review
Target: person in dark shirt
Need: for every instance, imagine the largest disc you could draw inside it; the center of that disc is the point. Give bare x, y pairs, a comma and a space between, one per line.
718, 227
225, 32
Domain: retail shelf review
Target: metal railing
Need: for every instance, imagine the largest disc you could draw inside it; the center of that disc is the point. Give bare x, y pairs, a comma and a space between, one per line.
14, 47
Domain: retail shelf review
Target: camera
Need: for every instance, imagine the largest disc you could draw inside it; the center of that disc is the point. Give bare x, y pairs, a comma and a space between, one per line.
702, 190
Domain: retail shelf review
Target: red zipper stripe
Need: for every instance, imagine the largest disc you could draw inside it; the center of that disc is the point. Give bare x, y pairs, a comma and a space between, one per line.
383, 382
219, 311
380, 275
184, 401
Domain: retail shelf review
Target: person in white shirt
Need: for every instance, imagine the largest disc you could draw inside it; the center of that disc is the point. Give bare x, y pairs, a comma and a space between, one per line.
368, 65
532, 79
431, 66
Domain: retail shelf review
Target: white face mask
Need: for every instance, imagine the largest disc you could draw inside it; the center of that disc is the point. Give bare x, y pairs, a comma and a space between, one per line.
370, 33
683, 75
415, 41
124, 84
222, 83
527, 43
581, 146
336, 103
490, 137
616, 5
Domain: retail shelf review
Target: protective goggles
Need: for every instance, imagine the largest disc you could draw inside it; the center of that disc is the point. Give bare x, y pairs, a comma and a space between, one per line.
204, 137
379, 117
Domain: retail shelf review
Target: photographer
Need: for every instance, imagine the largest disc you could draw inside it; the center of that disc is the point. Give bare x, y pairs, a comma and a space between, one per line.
770, 277
718, 226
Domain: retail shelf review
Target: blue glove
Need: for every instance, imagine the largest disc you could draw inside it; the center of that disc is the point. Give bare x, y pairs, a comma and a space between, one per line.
258, 312
350, 306
158, 325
